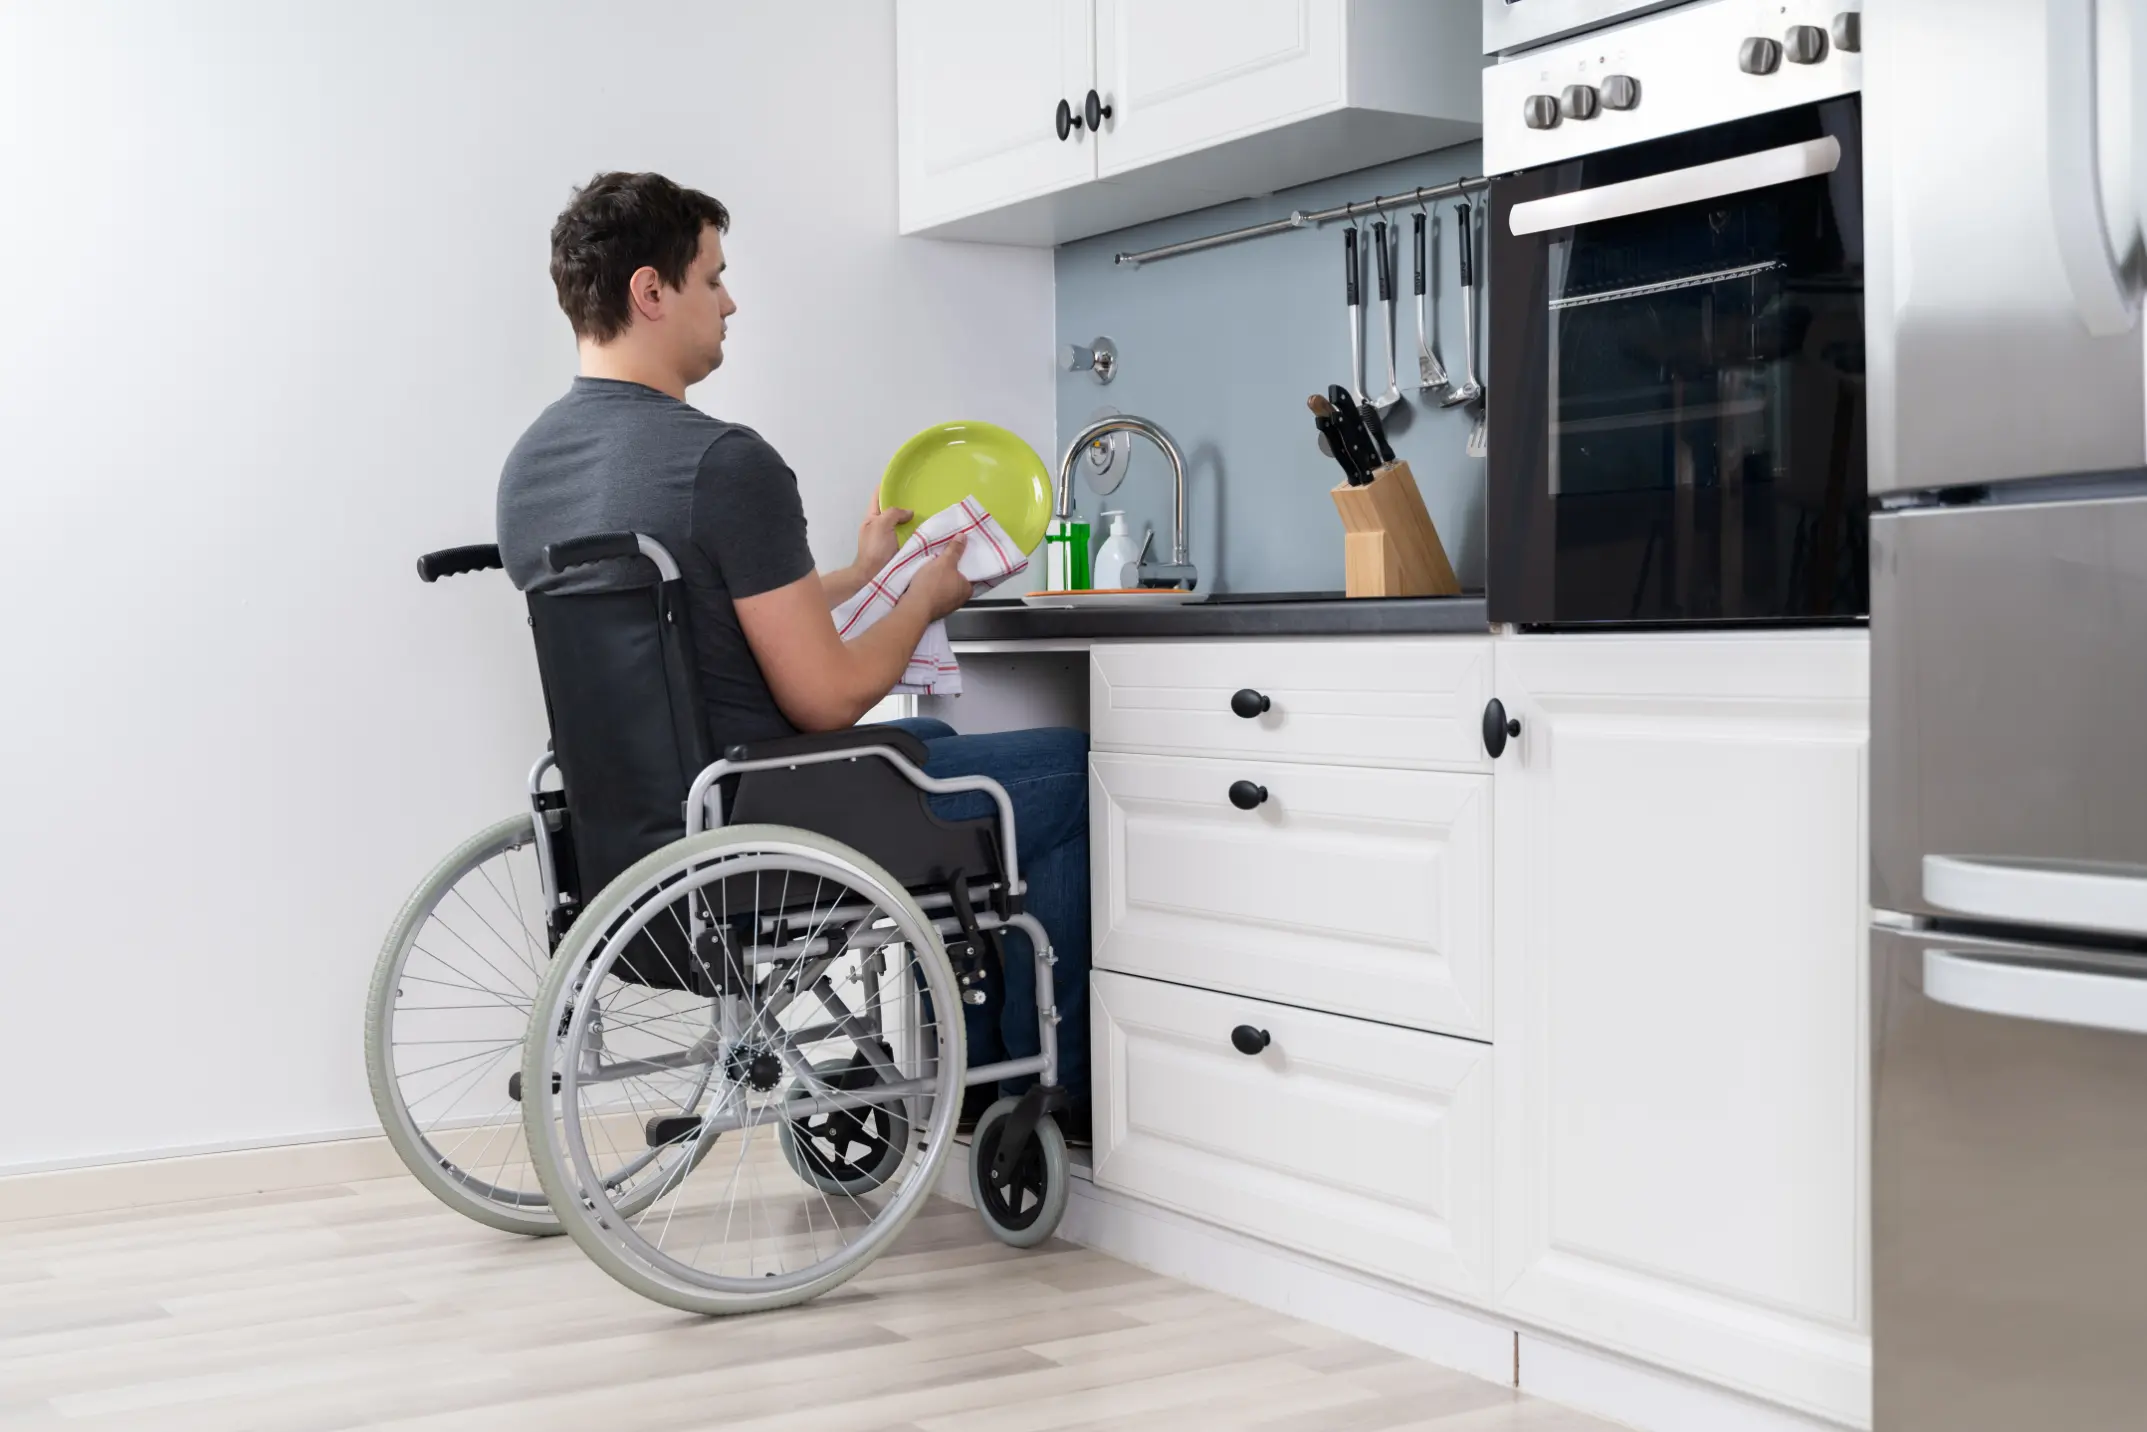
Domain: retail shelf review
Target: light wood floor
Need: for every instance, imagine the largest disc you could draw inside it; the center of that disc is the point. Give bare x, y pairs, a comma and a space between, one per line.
368, 1305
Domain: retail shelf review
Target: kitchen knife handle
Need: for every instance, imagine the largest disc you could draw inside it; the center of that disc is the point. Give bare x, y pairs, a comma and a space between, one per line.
1386, 263
1420, 254
1349, 253
1468, 267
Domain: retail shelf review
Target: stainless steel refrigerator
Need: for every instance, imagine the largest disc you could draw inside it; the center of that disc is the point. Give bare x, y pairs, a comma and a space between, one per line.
2009, 730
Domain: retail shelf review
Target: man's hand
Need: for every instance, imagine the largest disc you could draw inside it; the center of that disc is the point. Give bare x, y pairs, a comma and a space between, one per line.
876, 541
941, 587
876, 547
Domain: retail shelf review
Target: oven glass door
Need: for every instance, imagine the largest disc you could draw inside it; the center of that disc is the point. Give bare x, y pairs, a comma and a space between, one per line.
1677, 379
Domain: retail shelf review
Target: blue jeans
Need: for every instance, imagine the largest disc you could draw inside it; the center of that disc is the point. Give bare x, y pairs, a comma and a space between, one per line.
1045, 773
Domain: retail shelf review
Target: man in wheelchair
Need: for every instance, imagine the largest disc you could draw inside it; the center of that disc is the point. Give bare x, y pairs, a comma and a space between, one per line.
637, 263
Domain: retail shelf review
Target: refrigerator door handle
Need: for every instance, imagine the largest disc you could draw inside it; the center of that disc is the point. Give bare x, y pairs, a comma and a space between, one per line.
2038, 992
2104, 282
2056, 893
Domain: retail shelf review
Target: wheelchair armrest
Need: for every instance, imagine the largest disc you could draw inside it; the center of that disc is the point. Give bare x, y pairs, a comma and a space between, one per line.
857, 737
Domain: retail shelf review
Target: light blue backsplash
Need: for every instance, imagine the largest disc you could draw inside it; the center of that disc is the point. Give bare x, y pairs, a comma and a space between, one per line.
1222, 348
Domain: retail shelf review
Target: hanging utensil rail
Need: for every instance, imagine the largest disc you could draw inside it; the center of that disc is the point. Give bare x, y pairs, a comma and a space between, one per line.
1299, 218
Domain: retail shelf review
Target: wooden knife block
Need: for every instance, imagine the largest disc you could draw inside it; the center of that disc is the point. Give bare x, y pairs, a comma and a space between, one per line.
1389, 547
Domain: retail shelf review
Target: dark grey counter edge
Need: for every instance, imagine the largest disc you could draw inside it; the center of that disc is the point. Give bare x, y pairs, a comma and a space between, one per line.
1364, 616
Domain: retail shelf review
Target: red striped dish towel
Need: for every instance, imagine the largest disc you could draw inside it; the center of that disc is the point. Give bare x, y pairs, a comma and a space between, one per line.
991, 557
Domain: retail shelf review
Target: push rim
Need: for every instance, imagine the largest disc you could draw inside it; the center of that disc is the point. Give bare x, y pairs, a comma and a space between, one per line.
803, 1237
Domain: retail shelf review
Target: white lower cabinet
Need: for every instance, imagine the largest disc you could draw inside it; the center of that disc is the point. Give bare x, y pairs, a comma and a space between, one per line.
1662, 1151
1358, 1142
1680, 1010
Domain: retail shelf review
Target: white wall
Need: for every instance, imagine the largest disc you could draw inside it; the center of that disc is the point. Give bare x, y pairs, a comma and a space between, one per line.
277, 308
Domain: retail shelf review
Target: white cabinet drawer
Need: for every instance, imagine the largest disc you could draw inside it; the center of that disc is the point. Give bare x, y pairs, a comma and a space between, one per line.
1358, 891
1373, 702
1356, 1142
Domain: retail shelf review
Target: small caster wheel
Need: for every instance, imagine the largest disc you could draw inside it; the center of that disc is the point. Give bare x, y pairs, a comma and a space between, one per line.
846, 1151
1025, 1209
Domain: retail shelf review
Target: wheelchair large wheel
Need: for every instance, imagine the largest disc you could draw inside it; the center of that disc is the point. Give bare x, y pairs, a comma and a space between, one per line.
814, 958
444, 1023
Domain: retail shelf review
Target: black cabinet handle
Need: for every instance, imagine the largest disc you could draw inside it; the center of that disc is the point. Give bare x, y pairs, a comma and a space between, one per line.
1247, 1040
1245, 795
1066, 121
1250, 703
1497, 727
1095, 111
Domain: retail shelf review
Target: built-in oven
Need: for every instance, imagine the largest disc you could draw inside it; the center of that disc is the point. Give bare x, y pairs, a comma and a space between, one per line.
1676, 336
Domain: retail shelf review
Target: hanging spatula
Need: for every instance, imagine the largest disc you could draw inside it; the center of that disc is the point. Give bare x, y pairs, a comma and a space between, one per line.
1430, 372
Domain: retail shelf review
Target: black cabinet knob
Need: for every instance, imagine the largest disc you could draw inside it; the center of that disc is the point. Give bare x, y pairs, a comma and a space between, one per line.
1247, 1040
1066, 121
1095, 111
1498, 726
1245, 795
1250, 703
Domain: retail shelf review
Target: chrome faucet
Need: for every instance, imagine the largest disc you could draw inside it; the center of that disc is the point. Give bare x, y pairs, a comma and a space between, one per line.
1178, 571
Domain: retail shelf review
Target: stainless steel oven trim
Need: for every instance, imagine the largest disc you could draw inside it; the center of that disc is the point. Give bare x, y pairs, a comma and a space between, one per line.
1761, 170
1515, 25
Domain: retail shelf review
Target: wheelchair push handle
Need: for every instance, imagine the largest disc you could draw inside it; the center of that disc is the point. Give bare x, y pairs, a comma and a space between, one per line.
454, 561
604, 546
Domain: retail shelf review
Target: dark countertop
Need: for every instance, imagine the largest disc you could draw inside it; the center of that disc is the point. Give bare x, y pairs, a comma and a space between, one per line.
1226, 614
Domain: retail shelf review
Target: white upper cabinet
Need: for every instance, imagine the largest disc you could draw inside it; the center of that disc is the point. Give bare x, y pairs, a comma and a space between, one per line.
1198, 101
978, 86
1185, 74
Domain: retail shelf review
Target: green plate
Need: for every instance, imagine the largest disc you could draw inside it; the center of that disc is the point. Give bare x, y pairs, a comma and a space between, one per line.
944, 464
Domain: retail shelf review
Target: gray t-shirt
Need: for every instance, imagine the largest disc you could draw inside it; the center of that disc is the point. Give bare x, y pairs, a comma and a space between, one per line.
620, 457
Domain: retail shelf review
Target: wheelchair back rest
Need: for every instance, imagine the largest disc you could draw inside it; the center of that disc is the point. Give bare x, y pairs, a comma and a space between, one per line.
627, 728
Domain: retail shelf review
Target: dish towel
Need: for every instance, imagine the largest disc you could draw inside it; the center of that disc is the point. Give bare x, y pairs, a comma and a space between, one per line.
991, 557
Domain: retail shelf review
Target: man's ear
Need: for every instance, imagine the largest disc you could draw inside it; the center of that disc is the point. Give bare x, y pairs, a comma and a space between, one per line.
645, 291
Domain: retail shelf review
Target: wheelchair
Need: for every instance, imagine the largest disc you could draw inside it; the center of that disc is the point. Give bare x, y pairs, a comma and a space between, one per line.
703, 1013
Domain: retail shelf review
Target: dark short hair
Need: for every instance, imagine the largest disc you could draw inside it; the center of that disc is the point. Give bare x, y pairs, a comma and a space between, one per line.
616, 224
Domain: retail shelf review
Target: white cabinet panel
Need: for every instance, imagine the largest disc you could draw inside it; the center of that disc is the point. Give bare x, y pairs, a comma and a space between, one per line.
1358, 891
1211, 100
1356, 1142
1380, 701
1680, 1007
978, 83
1186, 74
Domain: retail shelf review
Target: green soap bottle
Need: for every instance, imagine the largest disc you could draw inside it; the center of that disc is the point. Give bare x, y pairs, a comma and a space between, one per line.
1066, 556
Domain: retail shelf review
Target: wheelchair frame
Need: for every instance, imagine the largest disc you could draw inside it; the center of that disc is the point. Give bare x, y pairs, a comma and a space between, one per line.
703, 811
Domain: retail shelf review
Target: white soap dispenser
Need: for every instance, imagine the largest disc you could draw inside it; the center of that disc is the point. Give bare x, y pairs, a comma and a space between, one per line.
1119, 563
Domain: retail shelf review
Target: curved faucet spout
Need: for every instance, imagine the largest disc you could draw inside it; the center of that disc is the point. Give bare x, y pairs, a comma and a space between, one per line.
1179, 570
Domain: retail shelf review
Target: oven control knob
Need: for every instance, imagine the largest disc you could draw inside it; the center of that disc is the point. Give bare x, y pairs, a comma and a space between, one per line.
1759, 55
1541, 111
1578, 102
1621, 92
1849, 32
1804, 45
